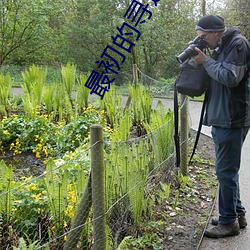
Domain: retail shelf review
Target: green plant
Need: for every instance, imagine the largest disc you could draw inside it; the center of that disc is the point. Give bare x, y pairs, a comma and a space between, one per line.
147, 241
34, 81
121, 130
164, 191
161, 128
146, 101
176, 199
62, 104
82, 94
126, 173
28, 245
30, 208
56, 187
44, 137
5, 90
23, 246
113, 109
6, 184
48, 98
68, 74
23, 134
64, 182
141, 104
184, 181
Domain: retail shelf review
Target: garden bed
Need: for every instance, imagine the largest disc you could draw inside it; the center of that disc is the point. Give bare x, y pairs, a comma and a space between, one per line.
178, 222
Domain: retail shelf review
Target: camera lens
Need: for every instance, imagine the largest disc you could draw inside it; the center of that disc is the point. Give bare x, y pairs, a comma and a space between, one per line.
187, 53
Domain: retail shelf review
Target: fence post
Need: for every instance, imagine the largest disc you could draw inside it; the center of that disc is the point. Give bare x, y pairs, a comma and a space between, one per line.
98, 195
80, 218
184, 135
135, 74
135, 77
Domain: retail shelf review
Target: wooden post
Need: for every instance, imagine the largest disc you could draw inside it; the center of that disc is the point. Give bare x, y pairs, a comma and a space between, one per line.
135, 81
80, 218
135, 74
98, 195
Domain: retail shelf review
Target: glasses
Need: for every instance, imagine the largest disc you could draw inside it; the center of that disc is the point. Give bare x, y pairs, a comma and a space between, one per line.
203, 36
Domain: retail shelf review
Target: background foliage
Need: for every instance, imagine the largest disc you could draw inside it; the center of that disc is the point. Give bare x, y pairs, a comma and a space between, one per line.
49, 32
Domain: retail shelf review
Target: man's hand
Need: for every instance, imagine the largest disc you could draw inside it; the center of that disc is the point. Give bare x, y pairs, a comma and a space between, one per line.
200, 58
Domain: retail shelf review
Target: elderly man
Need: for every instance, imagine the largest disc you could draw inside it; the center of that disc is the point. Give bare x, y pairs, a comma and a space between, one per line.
228, 112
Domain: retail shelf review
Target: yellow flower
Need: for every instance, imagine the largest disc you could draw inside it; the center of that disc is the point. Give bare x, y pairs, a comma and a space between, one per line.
69, 211
14, 209
16, 152
6, 132
31, 187
73, 199
45, 151
103, 112
38, 156
37, 196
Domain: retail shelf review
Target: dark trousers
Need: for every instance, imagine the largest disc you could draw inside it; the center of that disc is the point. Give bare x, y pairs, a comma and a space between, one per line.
228, 145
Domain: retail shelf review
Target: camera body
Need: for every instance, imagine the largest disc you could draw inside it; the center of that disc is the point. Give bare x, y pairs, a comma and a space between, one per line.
190, 51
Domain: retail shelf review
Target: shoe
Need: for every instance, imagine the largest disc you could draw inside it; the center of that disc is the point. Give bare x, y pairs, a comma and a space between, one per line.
241, 219
221, 231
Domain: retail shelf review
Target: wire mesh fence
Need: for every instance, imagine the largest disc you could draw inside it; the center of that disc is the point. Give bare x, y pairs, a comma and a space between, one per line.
55, 210
42, 210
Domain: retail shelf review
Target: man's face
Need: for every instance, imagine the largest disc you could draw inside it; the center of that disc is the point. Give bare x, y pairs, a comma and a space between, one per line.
211, 38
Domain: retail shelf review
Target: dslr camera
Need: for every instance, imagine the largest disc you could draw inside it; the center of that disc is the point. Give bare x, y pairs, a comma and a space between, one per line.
190, 51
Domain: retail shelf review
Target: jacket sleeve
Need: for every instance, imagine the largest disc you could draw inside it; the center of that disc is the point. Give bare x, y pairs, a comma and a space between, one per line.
234, 66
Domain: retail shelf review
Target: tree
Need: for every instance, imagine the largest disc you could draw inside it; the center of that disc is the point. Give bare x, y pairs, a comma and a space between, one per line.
78, 31
90, 30
21, 21
237, 13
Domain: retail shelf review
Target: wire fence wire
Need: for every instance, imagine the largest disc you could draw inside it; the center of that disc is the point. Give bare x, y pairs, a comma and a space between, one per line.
43, 211
158, 87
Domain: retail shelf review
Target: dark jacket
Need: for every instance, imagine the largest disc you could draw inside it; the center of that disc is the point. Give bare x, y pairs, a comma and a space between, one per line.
228, 103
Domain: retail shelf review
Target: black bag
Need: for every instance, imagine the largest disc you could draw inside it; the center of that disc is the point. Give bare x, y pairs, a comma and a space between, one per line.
192, 80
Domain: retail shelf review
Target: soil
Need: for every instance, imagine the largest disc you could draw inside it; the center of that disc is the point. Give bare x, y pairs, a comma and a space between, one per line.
186, 223
25, 164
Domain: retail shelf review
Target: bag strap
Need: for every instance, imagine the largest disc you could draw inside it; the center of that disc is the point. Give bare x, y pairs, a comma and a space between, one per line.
176, 126
199, 127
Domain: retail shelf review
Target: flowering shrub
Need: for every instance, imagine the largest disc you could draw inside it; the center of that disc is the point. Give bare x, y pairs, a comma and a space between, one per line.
43, 137
44, 205
30, 204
